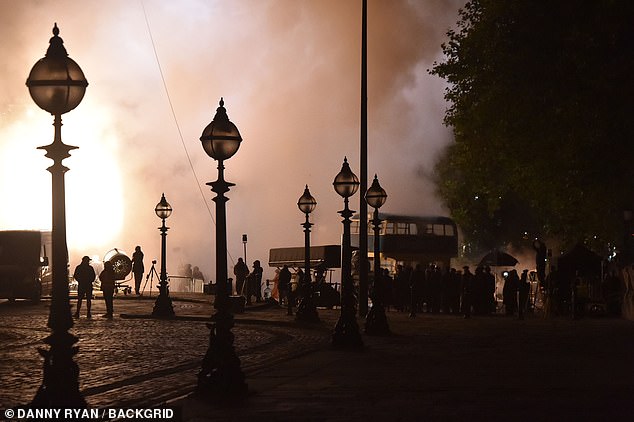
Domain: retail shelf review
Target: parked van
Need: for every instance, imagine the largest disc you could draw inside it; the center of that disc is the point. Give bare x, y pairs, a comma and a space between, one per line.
24, 264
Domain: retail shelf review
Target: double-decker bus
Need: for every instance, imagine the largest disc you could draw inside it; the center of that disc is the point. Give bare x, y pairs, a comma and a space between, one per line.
411, 240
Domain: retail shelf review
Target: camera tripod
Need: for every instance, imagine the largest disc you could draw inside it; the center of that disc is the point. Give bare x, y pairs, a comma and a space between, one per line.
150, 277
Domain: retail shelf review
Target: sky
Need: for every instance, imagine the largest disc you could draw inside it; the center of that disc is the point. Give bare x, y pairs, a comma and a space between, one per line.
289, 72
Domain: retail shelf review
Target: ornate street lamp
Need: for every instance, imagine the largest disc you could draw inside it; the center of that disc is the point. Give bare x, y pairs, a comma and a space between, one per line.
307, 311
163, 306
221, 375
376, 321
346, 332
57, 84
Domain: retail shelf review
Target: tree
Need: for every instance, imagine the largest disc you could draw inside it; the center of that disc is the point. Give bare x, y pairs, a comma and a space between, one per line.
540, 100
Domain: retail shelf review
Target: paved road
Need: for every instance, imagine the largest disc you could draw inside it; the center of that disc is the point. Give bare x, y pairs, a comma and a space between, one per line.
133, 361
435, 367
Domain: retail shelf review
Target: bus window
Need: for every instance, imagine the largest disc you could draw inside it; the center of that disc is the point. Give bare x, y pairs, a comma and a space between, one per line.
449, 231
439, 229
402, 228
389, 228
412, 228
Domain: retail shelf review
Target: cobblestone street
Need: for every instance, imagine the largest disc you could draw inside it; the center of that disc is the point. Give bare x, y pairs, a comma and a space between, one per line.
130, 360
434, 367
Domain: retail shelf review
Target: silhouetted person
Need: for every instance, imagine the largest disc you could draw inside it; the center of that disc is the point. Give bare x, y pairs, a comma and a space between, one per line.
455, 284
490, 290
524, 291
241, 271
509, 292
284, 285
197, 274
540, 260
137, 269
401, 284
446, 291
467, 291
416, 282
479, 292
387, 284
254, 282
435, 289
107, 278
85, 275
552, 293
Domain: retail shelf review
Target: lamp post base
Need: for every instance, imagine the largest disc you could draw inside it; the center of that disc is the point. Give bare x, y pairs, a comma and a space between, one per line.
346, 334
307, 311
163, 307
60, 387
376, 322
221, 377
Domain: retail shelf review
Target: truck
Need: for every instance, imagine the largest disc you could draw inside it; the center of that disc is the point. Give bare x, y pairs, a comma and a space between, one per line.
25, 272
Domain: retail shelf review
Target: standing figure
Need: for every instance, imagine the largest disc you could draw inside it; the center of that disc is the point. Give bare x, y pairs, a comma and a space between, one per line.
466, 288
509, 292
255, 279
137, 269
490, 290
416, 283
524, 291
479, 291
85, 275
107, 278
540, 259
241, 271
284, 285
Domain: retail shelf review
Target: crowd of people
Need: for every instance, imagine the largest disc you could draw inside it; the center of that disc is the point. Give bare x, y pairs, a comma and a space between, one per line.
248, 283
85, 276
418, 289
430, 289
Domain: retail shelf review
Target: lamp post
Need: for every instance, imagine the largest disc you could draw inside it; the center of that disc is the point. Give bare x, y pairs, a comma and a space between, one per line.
346, 332
376, 321
244, 244
306, 310
221, 375
57, 85
163, 306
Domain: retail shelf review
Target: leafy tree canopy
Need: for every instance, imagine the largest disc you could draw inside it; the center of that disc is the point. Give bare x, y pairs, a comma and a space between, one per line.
540, 101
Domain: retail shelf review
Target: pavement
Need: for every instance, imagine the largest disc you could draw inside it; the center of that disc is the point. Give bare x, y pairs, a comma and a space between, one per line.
433, 367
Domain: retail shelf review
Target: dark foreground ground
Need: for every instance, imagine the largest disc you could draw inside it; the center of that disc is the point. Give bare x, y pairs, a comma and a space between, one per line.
448, 368
434, 367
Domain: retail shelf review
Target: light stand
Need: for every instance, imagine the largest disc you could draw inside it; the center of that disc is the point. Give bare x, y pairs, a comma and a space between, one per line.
221, 376
306, 310
346, 333
163, 306
376, 320
57, 85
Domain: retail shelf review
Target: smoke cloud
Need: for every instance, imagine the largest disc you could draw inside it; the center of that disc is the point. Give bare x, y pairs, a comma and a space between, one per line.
289, 72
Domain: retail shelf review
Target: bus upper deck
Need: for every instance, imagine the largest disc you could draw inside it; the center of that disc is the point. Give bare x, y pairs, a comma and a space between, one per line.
412, 239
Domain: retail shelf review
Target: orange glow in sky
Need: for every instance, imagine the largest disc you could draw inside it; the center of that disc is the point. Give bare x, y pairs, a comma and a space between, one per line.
289, 72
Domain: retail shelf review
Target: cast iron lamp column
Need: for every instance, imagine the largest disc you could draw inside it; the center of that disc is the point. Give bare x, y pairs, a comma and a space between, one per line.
376, 321
57, 84
346, 332
163, 306
221, 375
306, 310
